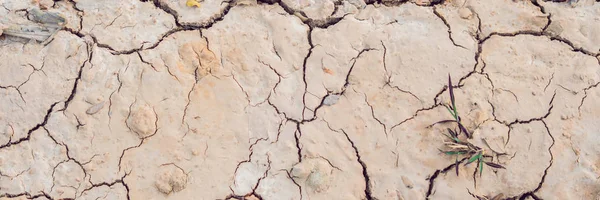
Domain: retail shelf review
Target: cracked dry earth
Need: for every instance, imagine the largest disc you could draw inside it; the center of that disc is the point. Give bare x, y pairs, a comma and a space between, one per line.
300, 99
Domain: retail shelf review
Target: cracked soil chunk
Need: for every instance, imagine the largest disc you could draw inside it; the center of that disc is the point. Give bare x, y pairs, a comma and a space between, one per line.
507, 16
194, 59
381, 58
321, 169
529, 143
323, 12
272, 70
576, 168
124, 25
318, 10
67, 177
195, 16
527, 74
29, 166
43, 78
278, 186
300, 99
578, 24
462, 22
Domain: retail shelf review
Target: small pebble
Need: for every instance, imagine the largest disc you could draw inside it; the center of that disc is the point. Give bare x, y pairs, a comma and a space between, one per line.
465, 13
331, 99
407, 182
95, 108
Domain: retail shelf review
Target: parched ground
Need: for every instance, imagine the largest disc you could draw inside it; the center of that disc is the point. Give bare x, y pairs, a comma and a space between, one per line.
300, 99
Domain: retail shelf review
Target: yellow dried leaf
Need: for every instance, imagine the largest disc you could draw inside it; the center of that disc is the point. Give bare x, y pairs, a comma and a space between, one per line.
192, 3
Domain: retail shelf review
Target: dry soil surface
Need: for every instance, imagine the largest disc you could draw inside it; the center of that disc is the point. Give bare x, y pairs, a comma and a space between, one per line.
300, 99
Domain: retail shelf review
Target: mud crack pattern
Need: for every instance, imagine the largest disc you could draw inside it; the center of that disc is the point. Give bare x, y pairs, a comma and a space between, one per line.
282, 99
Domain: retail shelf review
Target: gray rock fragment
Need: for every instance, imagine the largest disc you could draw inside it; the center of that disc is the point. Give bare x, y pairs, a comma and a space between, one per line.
42, 25
95, 108
331, 99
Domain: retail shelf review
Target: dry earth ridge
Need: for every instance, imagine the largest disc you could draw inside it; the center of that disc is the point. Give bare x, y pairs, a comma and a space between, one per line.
300, 99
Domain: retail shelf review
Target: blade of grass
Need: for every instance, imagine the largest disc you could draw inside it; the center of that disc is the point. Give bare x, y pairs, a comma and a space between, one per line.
454, 152
451, 91
454, 135
474, 158
440, 122
494, 165
463, 129
456, 114
445, 121
451, 138
480, 167
450, 110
